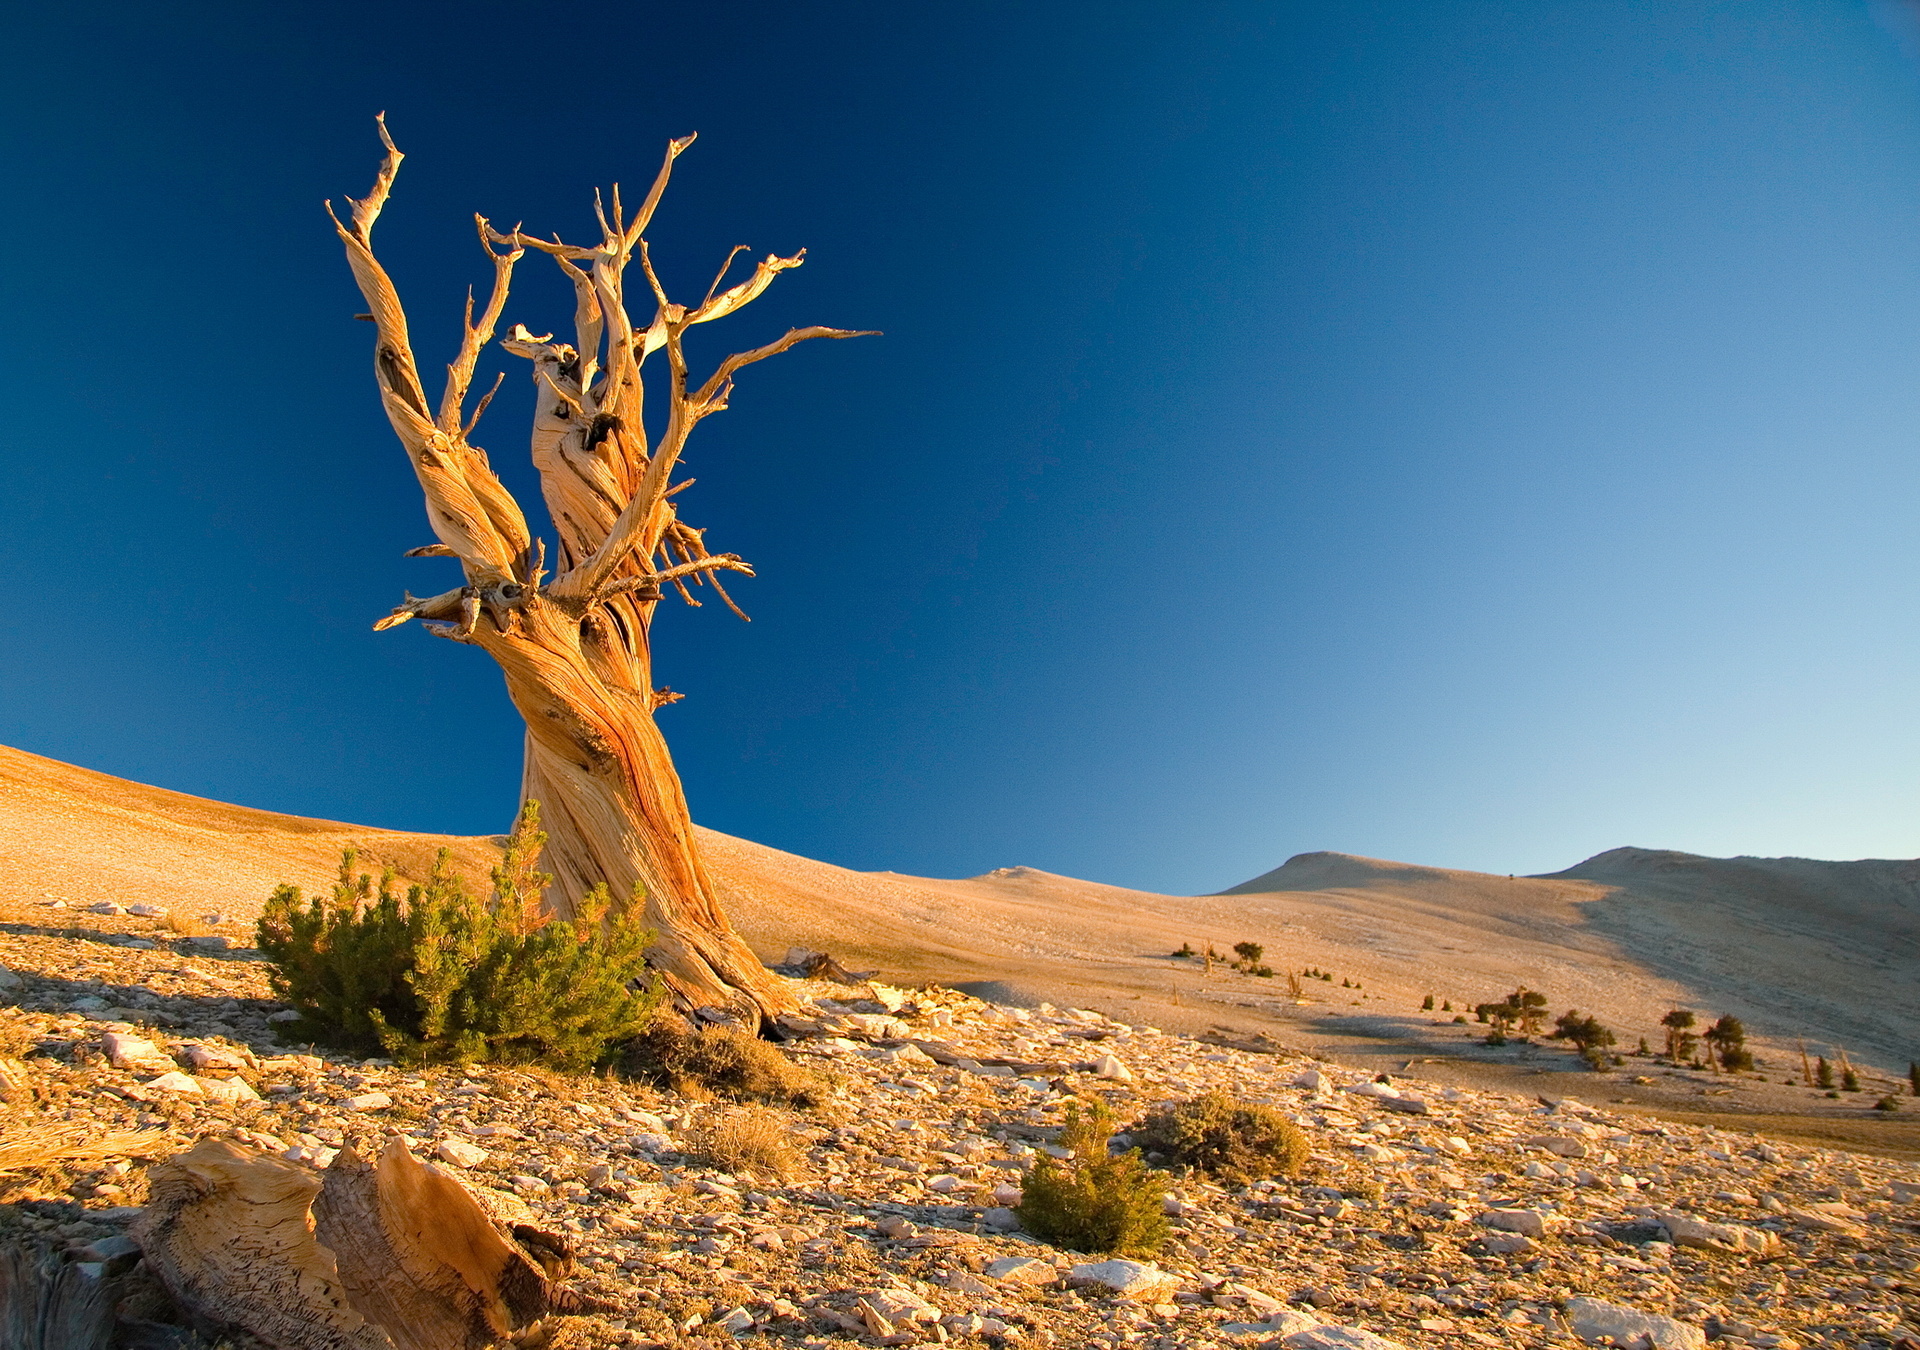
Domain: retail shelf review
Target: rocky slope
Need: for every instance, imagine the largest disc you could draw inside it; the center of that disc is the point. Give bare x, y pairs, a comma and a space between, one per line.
1425, 1218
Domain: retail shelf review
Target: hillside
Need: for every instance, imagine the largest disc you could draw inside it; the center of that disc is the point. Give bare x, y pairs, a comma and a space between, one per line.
1798, 949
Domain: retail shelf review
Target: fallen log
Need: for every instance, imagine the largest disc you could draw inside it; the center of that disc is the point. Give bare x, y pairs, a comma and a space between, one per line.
389, 1254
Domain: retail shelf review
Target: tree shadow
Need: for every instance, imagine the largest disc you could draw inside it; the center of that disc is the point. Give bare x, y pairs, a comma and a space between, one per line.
215, 1012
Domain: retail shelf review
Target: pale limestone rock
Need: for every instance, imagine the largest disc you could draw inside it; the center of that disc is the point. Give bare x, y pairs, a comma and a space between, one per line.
460, 1153
1592, 1319
1129, 1279
1687, 1231
126, 1051
1332, 1337
1020, 1270
1528, 1221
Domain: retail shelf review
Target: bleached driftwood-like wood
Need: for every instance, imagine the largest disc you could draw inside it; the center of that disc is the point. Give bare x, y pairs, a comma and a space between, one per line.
418, 1255
228, 1231
385, 1255
576, 649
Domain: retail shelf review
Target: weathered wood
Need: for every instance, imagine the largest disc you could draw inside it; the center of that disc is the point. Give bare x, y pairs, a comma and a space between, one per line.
384, 1255
228, 1231
576, 652
50, 1304
418, 1255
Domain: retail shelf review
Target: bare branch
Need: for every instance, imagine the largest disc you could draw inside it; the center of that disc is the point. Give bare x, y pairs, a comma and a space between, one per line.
481, 410
721, 275
476, 336
466, 505
430, 551
644, 216
747, 291
723, 377
443, 606
730, 562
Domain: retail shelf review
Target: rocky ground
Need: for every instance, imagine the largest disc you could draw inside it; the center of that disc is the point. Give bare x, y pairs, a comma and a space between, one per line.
1427, 1216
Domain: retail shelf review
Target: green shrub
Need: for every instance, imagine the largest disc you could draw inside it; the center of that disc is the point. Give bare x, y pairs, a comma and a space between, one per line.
1426, 1004
1249, 952
720, 1061
444, 977
1233, 1140
1098, 1201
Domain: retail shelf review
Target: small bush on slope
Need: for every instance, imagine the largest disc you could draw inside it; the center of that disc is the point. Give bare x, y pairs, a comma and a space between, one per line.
1097, 1201
1233, 1140
722, 1061
444, 977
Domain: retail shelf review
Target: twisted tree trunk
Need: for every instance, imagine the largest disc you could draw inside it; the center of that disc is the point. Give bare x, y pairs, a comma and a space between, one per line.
575, 650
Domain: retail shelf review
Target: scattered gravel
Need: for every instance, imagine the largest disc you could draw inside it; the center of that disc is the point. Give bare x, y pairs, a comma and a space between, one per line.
1426, 1217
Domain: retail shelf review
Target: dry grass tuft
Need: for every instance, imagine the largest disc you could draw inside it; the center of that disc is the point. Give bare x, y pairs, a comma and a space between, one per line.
31, 1144
180, 925
722, 1061
753, 1139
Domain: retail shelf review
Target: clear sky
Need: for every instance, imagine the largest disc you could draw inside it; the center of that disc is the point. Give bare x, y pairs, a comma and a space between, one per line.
1479, 434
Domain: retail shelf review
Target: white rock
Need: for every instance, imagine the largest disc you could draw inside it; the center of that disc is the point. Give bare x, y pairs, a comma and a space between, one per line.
888, 997
1559, 1145
1291, 1320
972, 1324
460, 1153
125, 1051
105, 907
174, 1082
368, 1101
734, 1322
1687, 1231
1129, 1279
876, 1026
1020, 1270
1006, 1193
1528, 1221
233, 1089
213, 942
147, 911
966, 1282
1457, 1146
1109, 1066
200, 1058
1000, 1217
1312, 1080
902, 1305
1506, 1244
1592, 1319
1329, 1336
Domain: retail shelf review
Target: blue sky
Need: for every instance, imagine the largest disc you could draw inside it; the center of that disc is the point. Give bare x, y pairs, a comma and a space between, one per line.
1479, 434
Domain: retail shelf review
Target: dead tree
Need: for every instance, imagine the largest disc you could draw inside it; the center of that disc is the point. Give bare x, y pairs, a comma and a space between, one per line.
575, 644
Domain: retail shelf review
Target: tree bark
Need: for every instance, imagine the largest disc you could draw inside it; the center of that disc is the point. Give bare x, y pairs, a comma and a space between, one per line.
576, 650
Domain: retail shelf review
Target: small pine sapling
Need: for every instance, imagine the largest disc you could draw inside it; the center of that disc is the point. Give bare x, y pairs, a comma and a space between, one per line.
449, 978
1097, 1201
1822, 1073
1426, 1004
1849, 1080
